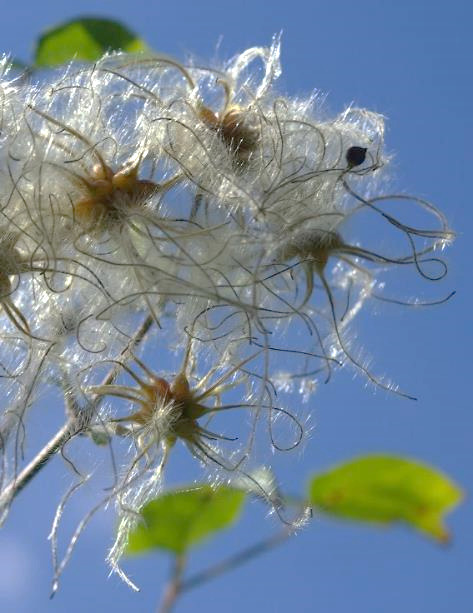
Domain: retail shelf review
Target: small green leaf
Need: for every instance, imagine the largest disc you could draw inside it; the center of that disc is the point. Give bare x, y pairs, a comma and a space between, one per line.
177, 520
386, 489
87, 39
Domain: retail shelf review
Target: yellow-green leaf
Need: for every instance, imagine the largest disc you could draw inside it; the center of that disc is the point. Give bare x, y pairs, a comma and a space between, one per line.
87, 39
384, 489
177, 520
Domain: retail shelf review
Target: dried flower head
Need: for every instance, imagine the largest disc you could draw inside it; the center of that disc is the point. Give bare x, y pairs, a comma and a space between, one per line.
204, 212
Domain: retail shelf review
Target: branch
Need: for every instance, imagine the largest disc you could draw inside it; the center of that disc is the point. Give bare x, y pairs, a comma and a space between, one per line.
174, 588
235, 560
72, 427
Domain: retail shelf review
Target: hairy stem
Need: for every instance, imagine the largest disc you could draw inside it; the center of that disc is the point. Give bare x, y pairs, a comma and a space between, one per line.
72, 427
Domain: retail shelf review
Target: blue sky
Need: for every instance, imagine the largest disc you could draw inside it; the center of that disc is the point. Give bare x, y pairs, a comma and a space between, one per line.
412, 63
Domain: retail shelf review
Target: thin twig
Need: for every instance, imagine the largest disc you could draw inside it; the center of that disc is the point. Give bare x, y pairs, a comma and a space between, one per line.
174, 587
71, 428
235, 560
37, 463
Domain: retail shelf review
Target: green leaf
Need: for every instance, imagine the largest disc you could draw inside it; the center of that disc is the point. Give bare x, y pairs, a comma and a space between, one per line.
385, 489
179, 519
87, 39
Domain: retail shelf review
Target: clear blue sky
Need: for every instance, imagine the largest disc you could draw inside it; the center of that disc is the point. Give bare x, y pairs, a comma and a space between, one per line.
410, 61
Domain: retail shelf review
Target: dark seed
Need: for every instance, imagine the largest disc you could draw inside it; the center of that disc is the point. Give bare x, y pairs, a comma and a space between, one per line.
356, 156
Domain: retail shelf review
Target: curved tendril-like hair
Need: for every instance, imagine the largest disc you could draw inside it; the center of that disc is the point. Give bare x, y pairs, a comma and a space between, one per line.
314, 249
214, 206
